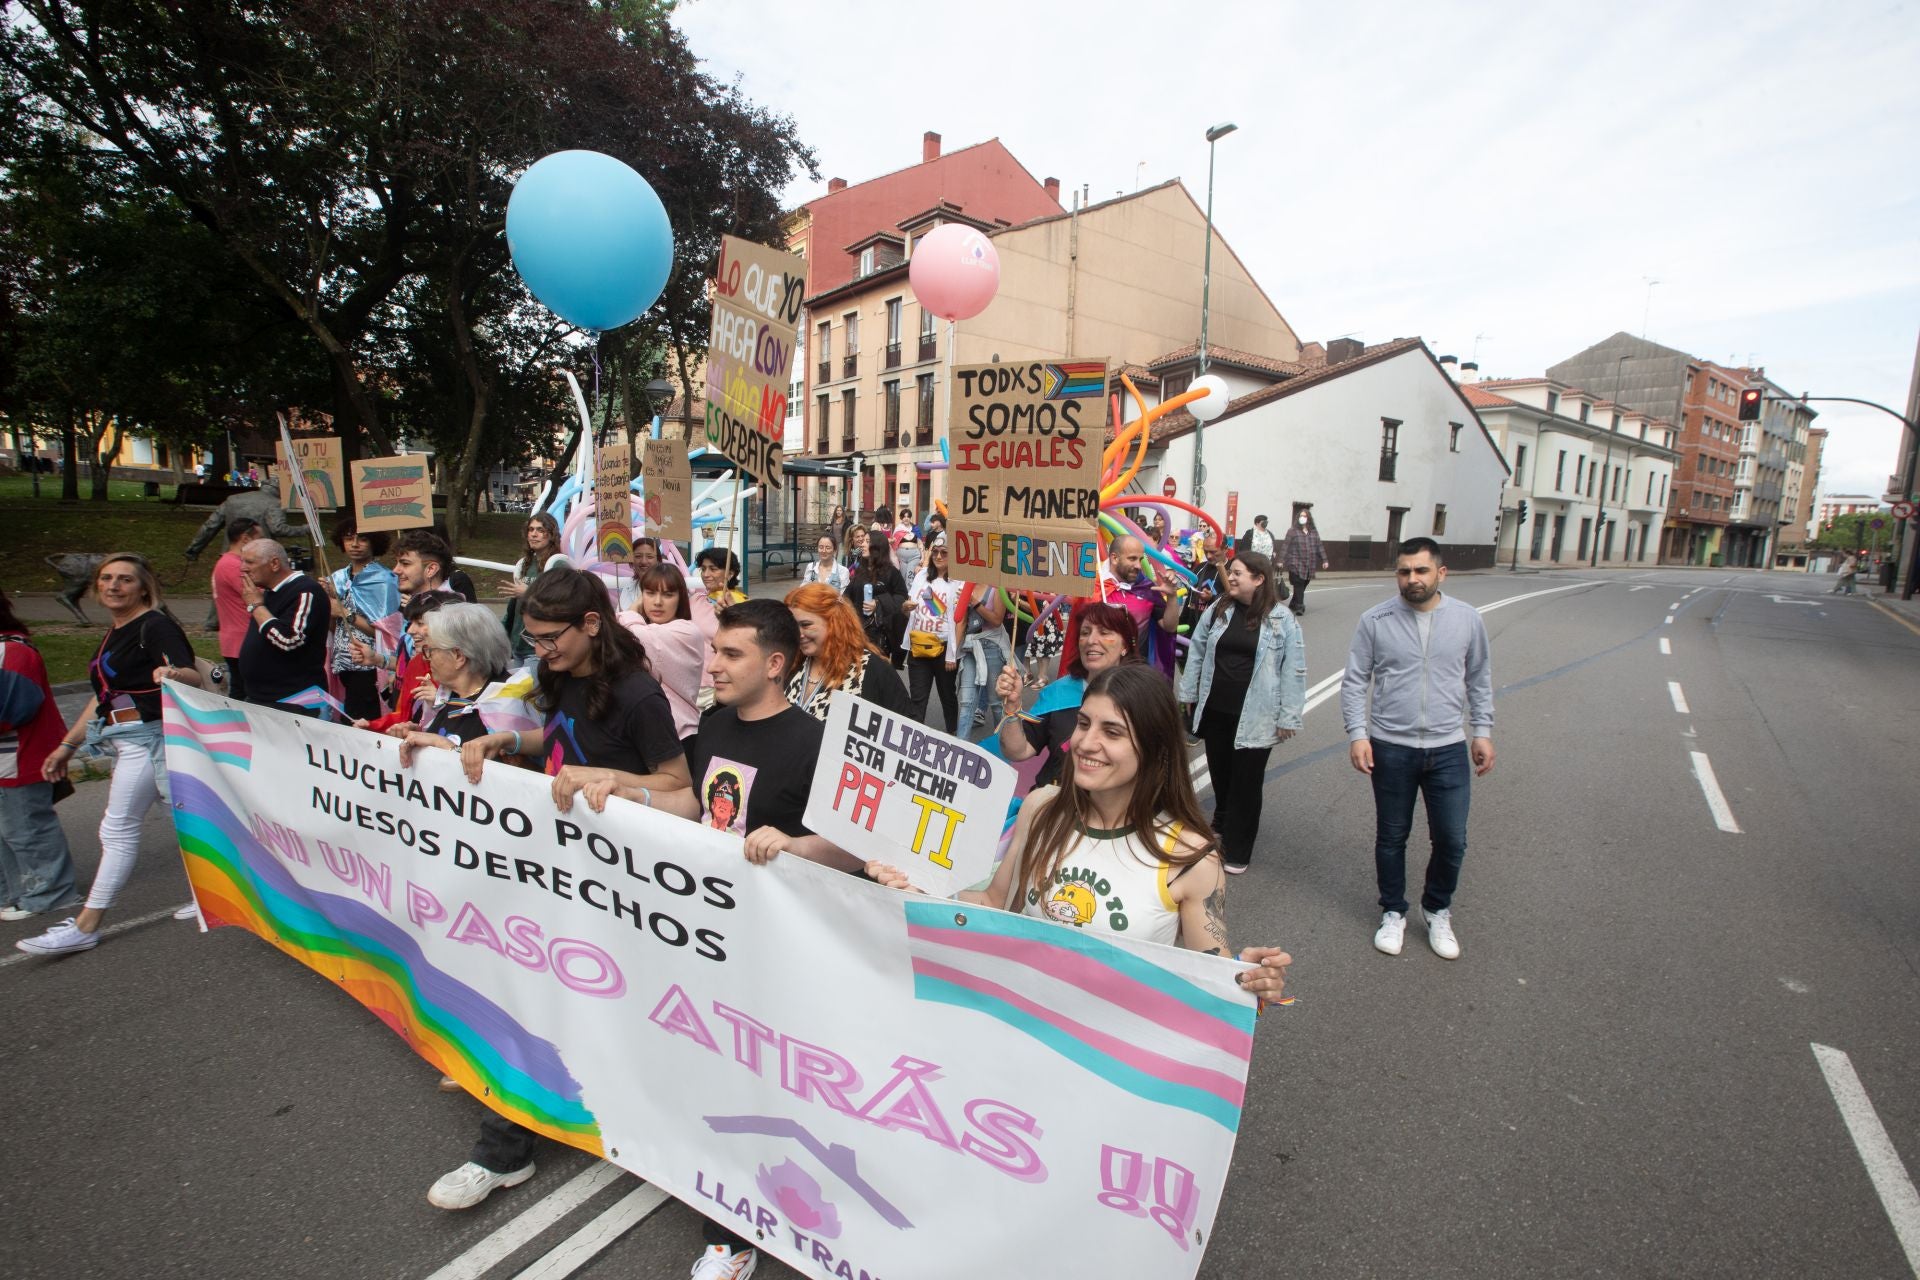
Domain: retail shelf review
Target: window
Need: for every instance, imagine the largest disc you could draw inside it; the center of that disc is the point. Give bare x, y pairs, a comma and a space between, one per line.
825, 408
1389, 447
1579, 473
1175, 384
1439, 519
924, 388
846, 417
853, 332
893, 333
1560, 472
1519, 464
1453, 437
1593, 478
893, 411
1614, 482
866, 261
826, 351
1663, 491
1616, 422
1553, 406
1649, 488
1586, 411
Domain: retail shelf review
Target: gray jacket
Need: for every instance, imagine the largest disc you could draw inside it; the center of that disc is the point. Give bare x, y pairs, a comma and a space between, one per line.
1421, 698
1276, 699
262, 505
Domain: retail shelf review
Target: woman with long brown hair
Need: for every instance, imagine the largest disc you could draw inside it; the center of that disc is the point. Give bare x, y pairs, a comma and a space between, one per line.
540, 552
835, 653
143, 647
1124, 816
880, 594
676, 628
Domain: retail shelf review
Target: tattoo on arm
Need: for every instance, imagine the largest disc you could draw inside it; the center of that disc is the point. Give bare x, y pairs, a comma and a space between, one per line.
1216, 907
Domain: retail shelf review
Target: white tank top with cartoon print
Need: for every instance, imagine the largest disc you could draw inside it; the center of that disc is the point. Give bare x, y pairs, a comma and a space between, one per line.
1109, 881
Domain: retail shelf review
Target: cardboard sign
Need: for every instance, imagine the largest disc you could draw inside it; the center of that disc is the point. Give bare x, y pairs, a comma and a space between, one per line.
888, 787
320, 467
612, 498
1024, 484
668, 490
757, 295
1233, 512
392, 493
859, 1081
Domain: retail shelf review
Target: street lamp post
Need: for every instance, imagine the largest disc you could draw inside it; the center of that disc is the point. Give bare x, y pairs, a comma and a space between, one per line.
1214, 135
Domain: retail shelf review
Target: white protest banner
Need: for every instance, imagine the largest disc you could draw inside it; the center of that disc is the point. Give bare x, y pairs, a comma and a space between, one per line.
889, 787
863, 1083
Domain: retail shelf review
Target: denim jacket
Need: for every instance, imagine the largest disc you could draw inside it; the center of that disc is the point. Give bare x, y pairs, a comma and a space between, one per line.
1276, 699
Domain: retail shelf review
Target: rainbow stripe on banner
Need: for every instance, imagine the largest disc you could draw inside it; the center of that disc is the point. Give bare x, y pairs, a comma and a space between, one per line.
237, 880
222, 736
1077, 378
1014, 968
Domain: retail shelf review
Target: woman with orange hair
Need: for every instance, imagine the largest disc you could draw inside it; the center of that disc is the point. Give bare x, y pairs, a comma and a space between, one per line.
836, 654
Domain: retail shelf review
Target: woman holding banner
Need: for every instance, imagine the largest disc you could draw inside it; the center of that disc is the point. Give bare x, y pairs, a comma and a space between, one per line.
467, 652
1124, 817
835, 653
1100, 636
143, 647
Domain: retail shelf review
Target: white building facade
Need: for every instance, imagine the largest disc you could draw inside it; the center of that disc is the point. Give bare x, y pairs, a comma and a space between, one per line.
1594, 475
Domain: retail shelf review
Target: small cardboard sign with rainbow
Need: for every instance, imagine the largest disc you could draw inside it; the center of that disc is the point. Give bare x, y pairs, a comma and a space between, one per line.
612, 497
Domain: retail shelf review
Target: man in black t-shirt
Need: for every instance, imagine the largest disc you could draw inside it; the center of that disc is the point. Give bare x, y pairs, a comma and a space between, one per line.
285, 650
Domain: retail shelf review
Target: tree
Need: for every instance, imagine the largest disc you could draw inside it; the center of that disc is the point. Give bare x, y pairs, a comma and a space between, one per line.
1854, 532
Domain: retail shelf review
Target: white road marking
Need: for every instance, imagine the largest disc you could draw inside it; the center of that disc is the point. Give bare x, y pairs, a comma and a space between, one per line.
1870, 1139
1668, 622
1691, 594
165, 913
1666, 646
1710, 788
1679, 698
585, 1244
1642, 587
542, 1214
1324, 690
1531, 595
1791, 600
1674, 605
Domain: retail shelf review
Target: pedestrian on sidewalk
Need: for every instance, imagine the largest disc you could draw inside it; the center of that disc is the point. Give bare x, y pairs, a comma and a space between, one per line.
1849, 573
1303, 557
143, 646
36, 867
1428, 732
1245, 690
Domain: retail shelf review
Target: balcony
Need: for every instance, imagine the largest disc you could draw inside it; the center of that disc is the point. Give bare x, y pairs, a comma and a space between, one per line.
850, 365
1387, 463
893, 355
926, 435
825, 371
846, 444
927, 345
820, 446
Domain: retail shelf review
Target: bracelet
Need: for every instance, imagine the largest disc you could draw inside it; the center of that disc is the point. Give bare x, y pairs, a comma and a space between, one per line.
71, 746
646, 796
516, 743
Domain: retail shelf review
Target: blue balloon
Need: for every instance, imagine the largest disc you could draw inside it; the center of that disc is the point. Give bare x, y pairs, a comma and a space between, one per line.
590, 238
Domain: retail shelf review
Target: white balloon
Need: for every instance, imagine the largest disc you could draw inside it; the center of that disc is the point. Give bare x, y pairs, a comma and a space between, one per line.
1214, 403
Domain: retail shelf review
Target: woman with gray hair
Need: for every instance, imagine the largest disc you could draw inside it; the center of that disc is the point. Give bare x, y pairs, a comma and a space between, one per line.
467, 653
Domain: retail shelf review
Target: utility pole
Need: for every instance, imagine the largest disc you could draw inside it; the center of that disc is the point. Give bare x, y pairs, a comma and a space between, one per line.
1214, 135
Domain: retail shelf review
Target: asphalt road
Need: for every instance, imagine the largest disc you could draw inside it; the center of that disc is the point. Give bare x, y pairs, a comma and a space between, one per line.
1617, 1079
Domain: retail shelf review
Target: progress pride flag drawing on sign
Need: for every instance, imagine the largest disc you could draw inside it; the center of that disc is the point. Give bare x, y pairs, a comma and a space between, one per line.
856, 1080
757, 296
1025, 474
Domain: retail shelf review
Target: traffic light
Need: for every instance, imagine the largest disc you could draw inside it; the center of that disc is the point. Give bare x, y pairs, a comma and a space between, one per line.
1522, 519
1750, 404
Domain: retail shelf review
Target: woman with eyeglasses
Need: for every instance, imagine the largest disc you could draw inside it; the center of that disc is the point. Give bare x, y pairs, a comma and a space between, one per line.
467, 651
607, 720
143, 646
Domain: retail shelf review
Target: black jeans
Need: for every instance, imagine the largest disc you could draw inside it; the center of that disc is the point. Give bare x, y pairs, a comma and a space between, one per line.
505, 1146
925, 673
1299, 585
1239, 781
1444, 776
363, 694
236, 687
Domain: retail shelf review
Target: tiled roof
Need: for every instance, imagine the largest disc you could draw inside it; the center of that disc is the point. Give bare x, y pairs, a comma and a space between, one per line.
1178, 424
1480, 398
1227, 355
1141, 375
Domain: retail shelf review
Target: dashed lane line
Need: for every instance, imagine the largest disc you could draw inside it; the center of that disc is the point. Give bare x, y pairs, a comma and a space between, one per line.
1666, 646
1679, 698
589, 1241
1889, 1176
543, 1213
1710, 788
1668, 622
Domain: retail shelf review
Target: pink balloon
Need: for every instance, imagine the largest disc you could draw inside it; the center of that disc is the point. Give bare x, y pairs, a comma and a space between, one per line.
955, 272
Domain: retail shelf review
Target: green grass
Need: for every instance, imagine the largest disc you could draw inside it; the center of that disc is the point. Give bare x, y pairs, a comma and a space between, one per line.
32, 529
21, 486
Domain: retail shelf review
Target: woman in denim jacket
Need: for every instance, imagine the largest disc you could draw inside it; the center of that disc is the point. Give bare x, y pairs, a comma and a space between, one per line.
1245, 685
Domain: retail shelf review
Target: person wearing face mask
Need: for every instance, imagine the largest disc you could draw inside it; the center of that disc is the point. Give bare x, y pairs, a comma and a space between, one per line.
1302, 556
1245, 685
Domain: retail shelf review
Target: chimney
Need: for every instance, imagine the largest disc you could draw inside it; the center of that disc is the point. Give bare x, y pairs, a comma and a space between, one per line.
1469, 371
836, 184
1341, 350
1313, 355
1449, 365
929, 146
1053, 189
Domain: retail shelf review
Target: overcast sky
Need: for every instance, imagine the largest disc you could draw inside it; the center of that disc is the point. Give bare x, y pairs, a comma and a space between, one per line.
1506, 175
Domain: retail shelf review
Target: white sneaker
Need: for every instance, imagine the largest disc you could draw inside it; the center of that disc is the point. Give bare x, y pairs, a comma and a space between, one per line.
1392, 932
63, 939
468, 1185
13, 911
189, 912
1440, 933
717, 1262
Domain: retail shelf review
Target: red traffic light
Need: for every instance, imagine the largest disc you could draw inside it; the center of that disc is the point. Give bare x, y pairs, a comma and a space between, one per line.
1750, 404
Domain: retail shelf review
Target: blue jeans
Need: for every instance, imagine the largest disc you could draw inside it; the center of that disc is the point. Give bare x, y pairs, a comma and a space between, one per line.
36, 869
1444, 775
976, 680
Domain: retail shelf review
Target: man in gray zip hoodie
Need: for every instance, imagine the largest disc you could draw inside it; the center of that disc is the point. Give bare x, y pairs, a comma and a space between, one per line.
1425, 657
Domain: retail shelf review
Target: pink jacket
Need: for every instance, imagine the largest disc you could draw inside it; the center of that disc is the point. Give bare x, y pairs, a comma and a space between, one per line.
680, 652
